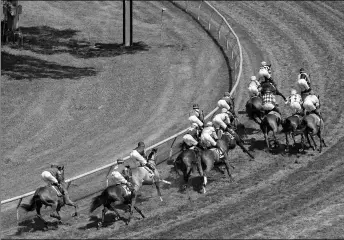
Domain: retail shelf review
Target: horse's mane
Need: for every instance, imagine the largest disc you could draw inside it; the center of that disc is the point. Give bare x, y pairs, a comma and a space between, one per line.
154, 150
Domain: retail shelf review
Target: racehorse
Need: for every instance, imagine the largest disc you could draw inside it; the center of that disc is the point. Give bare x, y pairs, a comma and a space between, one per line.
186, 161
291, 126
314, 125
211, 156
270, 122
48, 196
254, 109
116, 197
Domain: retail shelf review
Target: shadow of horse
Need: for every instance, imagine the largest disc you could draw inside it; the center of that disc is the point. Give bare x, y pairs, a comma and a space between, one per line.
35, 224
48, 40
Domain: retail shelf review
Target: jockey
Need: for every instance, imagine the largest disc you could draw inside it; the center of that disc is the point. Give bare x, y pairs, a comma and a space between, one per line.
227, 102
269, 102
295, 101
192, 137
253, 87
311, 104
264, 65
117, 176
196, 116
304, 83
50, 177
208, 135
139, 155
221, 120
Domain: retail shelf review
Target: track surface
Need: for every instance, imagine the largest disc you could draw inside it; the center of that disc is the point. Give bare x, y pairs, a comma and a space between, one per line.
276, 196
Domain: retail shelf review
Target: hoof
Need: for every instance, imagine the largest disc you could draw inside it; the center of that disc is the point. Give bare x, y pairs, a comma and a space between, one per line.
99, 225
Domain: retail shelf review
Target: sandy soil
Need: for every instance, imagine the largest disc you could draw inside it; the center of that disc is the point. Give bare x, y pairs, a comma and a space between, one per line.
276, 196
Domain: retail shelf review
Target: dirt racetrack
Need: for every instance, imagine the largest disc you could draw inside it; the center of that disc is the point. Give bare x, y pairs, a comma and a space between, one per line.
63, 103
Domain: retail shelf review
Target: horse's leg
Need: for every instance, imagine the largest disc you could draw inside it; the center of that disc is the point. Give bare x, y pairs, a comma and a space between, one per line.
132, 207
266, 137
157, 186
100, 224
187, 174
240, 143
112, 207
73, 204
309, 141
139, 211
321, 140
227, 166
38, 211
286, 142
315, 145
302, 142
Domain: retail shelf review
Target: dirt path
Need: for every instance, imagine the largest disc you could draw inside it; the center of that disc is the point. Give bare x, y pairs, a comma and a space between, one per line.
276, 196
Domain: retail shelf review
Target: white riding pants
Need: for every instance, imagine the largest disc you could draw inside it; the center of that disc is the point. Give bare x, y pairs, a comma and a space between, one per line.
137, 156
218, 122
194, 119
253, 90
207, 139
189, 140
223, 104
118, 178
264, 73
268, 106
303, 84
48, 178
296, 106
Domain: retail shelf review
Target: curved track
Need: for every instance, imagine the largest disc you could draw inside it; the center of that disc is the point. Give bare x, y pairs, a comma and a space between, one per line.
275, 196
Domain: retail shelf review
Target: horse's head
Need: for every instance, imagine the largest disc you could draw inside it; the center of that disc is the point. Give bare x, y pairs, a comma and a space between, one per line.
60, 173
152, 154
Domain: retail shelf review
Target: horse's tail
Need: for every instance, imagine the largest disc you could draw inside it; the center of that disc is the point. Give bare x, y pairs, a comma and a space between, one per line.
286, 125
32, 205
97, 202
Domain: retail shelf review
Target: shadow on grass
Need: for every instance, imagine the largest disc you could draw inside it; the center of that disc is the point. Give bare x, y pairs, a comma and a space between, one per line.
20, 67
35, 224
48, 40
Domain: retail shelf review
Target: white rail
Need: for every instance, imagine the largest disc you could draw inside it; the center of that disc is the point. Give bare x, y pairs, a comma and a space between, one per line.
213, 20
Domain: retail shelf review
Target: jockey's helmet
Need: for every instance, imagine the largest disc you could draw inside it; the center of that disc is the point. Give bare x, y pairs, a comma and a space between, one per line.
253, 78
209, 124
293, 92
263, 63
195, 106
141, 144
227, 94
302, 70
224, 110
60, 167
120, 161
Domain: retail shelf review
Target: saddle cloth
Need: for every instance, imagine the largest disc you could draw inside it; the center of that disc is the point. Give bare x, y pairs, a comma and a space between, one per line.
126, 189
59, 194
276, 114
218, 152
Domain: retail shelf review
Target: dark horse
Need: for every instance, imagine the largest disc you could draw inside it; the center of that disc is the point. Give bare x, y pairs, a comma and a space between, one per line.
291, 126
117, 197
314, 125
186, 161
48, 196
270, 122
210, 157
254, 109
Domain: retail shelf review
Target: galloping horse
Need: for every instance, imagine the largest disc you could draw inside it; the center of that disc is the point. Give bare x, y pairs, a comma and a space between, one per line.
254, 109
314, 125
211, 156
185, 161
270, 122
48, 196
116, 197
291, 126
